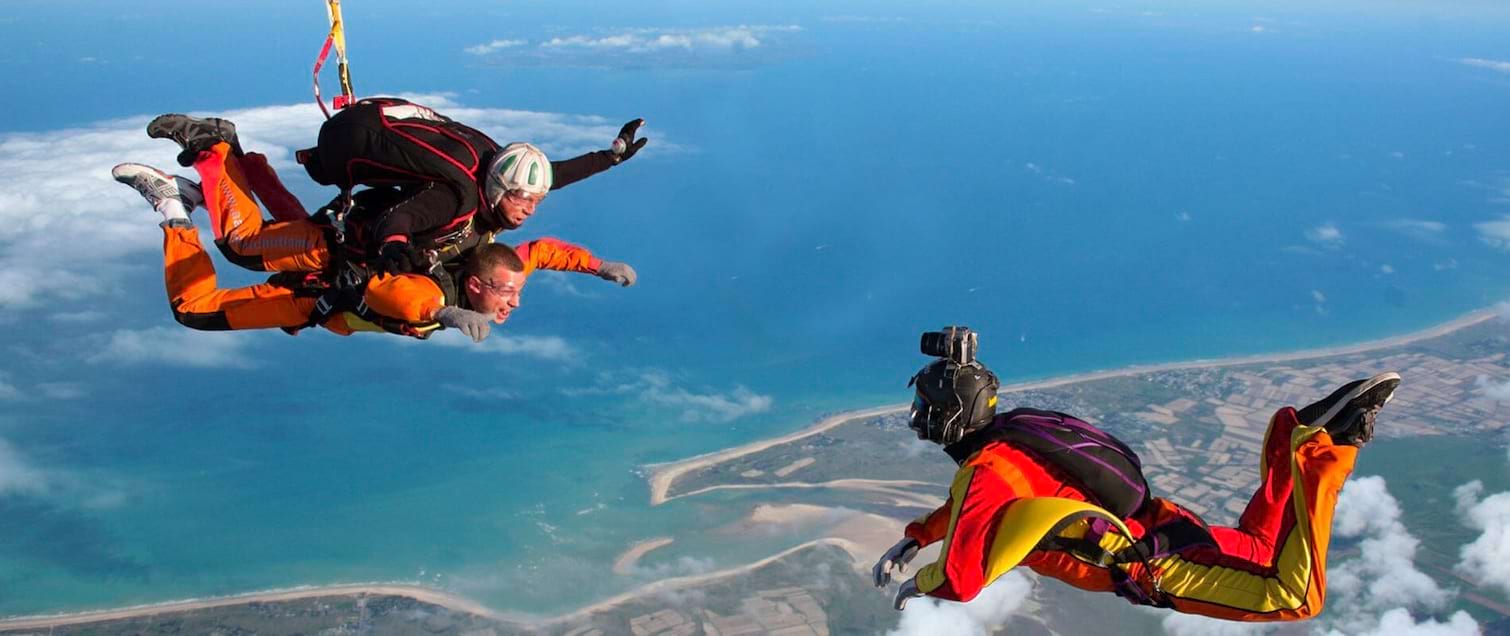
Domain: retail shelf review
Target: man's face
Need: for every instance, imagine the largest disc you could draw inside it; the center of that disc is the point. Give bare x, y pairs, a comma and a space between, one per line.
516, 207
496, 294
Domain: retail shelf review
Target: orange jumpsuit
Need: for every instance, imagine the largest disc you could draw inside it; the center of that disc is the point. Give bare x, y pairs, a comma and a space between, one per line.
295, 245
1271, 567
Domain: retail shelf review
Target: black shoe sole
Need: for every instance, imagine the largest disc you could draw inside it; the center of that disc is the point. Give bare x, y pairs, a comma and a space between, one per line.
1325, 410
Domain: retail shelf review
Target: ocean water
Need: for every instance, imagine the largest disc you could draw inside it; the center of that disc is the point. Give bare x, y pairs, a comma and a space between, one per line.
1088, 190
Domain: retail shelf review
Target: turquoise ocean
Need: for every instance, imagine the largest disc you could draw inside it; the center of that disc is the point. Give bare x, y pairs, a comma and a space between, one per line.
1089, 188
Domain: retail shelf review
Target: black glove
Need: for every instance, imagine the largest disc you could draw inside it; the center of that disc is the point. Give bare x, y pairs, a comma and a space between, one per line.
393, 258
624, 146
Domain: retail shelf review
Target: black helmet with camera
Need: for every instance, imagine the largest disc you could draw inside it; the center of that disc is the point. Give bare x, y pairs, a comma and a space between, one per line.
956, 394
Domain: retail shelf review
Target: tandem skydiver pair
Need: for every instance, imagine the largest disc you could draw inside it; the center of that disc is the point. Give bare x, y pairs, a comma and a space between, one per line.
1048, 491
407, 247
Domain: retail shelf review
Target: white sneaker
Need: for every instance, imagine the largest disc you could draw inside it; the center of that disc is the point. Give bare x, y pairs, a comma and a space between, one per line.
171, 195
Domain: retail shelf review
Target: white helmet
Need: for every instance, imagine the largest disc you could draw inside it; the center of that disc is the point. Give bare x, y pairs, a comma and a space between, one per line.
518, 166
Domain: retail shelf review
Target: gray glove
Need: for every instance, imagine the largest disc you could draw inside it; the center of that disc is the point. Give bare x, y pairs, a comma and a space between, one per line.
474, 324
620, 273
896, 558
907, 592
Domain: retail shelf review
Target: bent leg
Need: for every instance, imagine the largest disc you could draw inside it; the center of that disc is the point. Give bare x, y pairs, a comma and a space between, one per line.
296, 245
1254, 538
199, 304
281, 203
1291, 584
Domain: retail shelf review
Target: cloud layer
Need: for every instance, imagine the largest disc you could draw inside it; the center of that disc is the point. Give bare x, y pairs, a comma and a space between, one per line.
1495, 233
1487, 558
1375, 592
666, 46
175, 346
17, 476
1493, 65
657, 388
980, 617
542, 347
1327, 234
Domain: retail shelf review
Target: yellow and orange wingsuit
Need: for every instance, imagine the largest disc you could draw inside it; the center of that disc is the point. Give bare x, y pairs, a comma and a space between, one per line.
1008, 508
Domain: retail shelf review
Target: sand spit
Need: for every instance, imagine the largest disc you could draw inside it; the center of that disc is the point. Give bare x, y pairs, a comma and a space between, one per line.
625, 563
663, 475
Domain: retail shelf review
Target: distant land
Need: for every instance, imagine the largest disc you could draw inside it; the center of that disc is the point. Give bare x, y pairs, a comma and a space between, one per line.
858, 476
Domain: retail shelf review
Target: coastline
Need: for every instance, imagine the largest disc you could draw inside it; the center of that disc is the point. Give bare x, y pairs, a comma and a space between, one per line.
664, 475
625, 563
418, 593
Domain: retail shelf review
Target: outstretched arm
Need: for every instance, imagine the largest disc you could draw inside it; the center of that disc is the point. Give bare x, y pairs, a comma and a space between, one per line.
565, 173
557, 255
960, 571
930, 527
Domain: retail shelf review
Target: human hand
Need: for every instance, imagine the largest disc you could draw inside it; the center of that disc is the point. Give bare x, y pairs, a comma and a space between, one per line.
624, 146
474, 324
896, 558
620, 273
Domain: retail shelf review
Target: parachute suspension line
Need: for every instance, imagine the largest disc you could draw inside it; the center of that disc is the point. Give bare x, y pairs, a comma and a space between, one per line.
337, 40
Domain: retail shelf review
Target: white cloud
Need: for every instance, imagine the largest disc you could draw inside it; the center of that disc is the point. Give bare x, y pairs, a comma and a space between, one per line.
176, 346
1177, 624
1487, 558
1386, 269
1498, 391
492, 394
657, 387
641, 41
862, 19
1495, 233
706, 407
1417, 228
61, 390
16, 474
57, 183
495, 46
543, 347
1375, 592
1399, 622
78, 316
1503, 309
1467, 496
1327, 234
1318, 296
1493, 65
983, 615
9, 391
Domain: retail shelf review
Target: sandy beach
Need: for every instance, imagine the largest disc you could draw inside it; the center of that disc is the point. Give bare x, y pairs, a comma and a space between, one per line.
626, 561
664, 475
422, 594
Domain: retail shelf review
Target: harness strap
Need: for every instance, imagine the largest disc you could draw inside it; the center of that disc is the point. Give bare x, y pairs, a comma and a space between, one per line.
1173, 536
